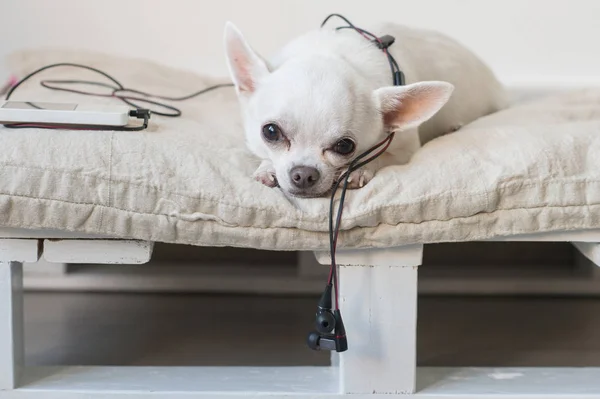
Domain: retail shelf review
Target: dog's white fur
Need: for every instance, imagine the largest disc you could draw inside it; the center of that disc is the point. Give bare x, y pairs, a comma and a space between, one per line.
327, 84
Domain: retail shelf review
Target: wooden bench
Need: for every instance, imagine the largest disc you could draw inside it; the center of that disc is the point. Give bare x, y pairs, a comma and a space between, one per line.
378, 289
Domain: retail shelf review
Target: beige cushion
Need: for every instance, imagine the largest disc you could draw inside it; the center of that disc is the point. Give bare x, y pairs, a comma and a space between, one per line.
532, 168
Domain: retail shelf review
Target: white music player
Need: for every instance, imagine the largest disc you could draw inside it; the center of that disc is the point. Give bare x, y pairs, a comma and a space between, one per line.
63, 113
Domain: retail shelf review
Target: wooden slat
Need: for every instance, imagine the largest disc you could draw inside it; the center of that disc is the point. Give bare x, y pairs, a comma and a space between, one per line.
410, 255
558, 236
27, 233
97, 251
188, 382
19, 250
592, 235
298, 382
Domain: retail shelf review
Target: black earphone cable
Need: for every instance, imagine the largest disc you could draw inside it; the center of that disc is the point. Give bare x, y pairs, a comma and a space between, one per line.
335, 229
397, 75
116, 91
379, 149
30, 75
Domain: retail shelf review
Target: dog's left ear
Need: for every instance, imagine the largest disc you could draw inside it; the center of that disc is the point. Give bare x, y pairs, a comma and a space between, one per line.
406, 107
246, 67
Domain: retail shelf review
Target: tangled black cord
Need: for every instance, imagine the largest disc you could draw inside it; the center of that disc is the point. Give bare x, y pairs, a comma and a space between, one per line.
358, 162
397, 74
129, 96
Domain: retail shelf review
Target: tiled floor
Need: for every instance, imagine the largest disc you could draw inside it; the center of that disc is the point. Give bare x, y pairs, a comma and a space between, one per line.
111, 329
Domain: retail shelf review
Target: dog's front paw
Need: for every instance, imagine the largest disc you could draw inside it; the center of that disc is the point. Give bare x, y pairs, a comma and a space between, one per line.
266, 174
359, 178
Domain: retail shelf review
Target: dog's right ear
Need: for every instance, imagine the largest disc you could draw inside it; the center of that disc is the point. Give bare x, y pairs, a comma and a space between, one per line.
406, 107
246, 67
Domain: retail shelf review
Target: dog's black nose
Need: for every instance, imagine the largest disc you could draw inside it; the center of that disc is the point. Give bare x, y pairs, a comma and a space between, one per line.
304, 176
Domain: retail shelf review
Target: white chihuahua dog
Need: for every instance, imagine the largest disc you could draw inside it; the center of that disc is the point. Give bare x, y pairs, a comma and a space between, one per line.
328, 96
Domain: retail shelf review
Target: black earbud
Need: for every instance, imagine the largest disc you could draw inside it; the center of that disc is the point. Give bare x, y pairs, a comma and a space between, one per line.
334, 342
325, 322
330, 334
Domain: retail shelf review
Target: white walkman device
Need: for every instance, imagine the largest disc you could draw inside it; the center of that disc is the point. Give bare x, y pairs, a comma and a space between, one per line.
63, 113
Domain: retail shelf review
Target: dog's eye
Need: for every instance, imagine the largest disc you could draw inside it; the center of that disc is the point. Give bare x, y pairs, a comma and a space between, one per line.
271, 132
344, 147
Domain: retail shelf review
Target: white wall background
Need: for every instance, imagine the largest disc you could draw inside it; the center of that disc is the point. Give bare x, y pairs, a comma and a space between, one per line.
525, 41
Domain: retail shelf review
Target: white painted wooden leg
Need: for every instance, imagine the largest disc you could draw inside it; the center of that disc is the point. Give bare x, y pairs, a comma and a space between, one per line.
590, 250
378, 301
11, 324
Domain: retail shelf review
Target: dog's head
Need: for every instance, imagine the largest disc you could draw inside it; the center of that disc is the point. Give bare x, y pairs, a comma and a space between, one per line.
313, 115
